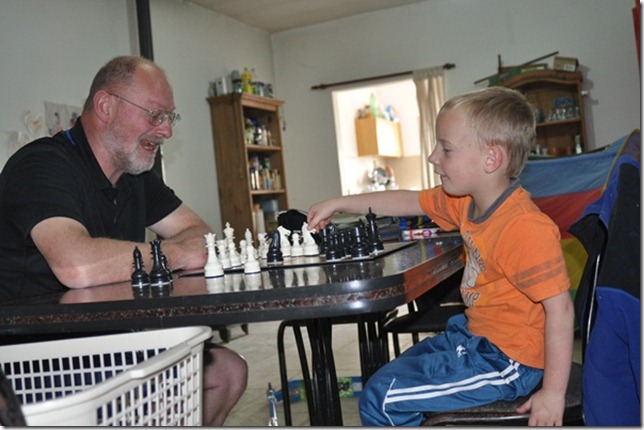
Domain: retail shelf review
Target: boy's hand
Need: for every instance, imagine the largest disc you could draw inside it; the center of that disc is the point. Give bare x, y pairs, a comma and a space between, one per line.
546, 408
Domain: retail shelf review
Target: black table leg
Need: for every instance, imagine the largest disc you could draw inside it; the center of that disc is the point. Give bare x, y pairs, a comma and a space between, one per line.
328, 410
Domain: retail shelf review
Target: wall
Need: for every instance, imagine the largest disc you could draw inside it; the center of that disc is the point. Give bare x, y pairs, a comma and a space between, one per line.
468, 33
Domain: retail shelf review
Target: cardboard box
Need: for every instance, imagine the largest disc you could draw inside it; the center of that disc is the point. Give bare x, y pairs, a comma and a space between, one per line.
566, 64
348, 386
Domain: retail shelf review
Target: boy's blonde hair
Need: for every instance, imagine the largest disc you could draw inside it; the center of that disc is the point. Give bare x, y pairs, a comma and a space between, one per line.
500, 116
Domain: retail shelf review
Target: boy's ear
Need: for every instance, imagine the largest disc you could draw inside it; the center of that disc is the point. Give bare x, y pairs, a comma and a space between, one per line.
494, 158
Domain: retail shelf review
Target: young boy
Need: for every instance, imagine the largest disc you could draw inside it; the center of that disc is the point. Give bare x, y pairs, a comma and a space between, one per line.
518, 327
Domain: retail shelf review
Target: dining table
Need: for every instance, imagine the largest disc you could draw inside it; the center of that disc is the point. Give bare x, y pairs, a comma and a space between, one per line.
311, 291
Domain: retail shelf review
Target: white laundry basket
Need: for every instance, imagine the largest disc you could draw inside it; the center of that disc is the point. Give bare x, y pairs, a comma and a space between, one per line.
143, 378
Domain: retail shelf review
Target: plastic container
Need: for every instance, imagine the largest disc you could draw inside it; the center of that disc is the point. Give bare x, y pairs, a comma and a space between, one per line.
151, 377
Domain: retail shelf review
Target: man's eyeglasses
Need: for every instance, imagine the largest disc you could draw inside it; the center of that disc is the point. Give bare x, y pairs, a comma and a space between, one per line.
155, 117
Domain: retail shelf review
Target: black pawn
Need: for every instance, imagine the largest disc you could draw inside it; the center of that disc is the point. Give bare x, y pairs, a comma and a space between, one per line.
158, 275
332, 250
140, 278
373, 234
359, 248
274, 255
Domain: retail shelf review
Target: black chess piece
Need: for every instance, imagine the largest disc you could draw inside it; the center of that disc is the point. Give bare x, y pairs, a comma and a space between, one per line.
158, 275
373, 234
164, 264
140, 278
359, 247
274, 256
324, 238
333, 251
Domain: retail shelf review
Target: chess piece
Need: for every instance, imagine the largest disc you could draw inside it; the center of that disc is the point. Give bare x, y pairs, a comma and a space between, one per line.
242, 251
308, 242
213, 267
252, 265
235, 261
373, 234
164, 264
359, 248
285, 246
158, 275
229, 234
248, 236
274, 255
332, 252
262, 247
140, 278
296, 248
223, 254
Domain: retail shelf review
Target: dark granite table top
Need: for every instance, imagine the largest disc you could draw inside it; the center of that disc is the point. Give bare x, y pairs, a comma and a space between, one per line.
295, 291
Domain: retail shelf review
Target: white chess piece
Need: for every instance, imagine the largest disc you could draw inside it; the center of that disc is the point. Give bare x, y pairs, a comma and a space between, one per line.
235, 261
223, 254
285, 244
251, 265
248, 236
262, 248
242, 251
213, 267
311, 248
229, 234
296, 247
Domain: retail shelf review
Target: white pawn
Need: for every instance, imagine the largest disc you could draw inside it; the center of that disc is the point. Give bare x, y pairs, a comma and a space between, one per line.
235, 261
285, 244
223, 254
296, 248
311, 248
251, 265
242, 251
262, 248
213, 267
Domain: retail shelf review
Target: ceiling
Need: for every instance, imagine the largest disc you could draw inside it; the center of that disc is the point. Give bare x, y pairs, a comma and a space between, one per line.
279, 15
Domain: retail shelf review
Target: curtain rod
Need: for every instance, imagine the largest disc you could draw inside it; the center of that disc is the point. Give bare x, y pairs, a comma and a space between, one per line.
373, 78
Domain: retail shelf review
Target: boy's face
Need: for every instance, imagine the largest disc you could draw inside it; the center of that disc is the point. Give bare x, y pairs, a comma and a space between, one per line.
458, 157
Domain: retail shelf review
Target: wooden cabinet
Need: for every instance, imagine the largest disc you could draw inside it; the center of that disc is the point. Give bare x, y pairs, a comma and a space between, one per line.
378, 136
248, 174
558, 97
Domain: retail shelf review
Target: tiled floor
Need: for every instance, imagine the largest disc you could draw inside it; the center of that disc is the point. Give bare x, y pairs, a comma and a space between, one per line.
260, 349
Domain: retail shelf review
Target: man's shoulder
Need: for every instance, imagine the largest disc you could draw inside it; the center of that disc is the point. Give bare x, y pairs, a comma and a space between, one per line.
44, 147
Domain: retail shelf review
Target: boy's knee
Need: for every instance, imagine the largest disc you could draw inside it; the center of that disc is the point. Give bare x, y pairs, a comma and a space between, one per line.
371, 403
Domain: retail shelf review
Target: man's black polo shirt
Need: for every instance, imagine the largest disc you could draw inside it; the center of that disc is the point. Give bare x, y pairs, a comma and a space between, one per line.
59, 177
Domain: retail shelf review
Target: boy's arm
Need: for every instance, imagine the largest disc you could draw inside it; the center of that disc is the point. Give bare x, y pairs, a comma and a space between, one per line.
382, 203
547, 405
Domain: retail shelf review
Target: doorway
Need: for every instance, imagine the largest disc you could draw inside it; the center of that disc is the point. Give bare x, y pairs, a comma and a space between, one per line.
356, 171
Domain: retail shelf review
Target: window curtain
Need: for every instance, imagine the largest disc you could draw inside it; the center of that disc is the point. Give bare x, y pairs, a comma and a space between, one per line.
430, 94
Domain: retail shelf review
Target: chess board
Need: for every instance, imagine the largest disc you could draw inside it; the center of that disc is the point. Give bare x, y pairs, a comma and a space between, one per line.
294, 262
320, 259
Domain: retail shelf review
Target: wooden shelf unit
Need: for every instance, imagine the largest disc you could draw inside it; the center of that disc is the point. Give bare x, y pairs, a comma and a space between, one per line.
542, 87
378, 136
234, 159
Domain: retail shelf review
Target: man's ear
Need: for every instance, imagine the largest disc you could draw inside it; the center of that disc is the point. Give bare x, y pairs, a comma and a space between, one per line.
494, 158
104, 105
